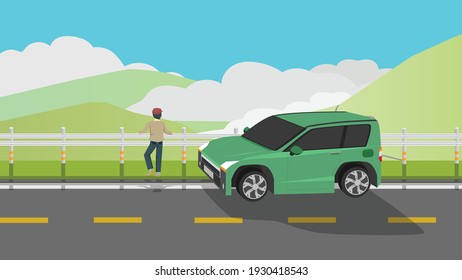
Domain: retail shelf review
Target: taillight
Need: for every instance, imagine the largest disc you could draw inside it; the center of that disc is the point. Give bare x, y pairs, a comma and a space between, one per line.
380, 154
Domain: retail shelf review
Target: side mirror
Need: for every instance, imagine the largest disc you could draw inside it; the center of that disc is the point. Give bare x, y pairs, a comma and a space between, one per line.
295, 151
246, 129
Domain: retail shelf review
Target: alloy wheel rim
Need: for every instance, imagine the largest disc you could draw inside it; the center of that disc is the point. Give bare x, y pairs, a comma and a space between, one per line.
254, 186
356, 182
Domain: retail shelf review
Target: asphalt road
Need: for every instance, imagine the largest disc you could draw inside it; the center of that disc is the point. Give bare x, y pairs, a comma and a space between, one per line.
164, 225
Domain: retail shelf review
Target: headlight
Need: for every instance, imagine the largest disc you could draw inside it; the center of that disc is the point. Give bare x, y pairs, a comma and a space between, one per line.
227, 165
203, 146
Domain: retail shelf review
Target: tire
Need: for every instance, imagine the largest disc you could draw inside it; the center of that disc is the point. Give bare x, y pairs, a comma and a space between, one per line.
253, 186
355, 182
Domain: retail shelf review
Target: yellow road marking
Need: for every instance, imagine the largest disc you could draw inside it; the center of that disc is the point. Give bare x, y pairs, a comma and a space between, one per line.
117, 220
23, 220
312, 220
412, 220
217, 220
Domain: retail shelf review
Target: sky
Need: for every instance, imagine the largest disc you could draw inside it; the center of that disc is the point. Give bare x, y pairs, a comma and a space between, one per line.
202, 39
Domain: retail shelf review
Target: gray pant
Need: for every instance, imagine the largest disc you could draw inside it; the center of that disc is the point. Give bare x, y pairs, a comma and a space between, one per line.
147, 155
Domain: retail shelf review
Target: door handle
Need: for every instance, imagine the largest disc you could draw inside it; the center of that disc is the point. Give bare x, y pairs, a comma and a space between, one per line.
335, 153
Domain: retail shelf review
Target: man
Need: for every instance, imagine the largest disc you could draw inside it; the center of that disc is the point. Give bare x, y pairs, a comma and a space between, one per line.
157, 129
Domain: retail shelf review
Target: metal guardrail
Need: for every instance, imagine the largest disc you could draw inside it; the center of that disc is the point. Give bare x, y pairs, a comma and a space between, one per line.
424, 140
184, 140
120, 139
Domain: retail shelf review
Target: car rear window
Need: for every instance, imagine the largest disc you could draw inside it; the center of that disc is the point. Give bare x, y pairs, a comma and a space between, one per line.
356, 135
321, 138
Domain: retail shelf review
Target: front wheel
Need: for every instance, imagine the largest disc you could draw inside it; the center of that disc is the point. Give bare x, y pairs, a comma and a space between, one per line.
355, 182
253, 186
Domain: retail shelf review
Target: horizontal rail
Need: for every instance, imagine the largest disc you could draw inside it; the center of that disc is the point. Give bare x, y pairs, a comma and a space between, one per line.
32, 143
417, 136
70, 143
420, 144
188, 135
189, 139
107, 136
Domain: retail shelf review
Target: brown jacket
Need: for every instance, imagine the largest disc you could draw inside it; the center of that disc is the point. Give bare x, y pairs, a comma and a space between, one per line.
157, 129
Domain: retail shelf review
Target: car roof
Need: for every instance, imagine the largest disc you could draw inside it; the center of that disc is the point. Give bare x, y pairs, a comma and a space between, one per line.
305, 119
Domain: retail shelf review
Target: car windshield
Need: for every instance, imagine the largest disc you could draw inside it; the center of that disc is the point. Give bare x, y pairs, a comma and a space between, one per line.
273, 132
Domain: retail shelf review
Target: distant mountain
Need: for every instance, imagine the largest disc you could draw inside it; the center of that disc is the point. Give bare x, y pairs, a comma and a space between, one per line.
423, 94
121, 89
89, 117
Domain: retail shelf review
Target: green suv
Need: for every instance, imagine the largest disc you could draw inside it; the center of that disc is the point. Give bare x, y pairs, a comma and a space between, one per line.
298, 153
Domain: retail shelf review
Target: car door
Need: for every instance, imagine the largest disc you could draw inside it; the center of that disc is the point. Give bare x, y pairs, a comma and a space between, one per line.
313, 170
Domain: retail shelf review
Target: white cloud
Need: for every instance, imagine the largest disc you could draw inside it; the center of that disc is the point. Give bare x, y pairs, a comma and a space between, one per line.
249, 85
360, 72
318, 101
66, 58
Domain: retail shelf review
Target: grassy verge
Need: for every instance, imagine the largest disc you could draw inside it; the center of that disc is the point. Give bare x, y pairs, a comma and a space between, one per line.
87, 154
174, 170
420, 170
415, 154
97, 170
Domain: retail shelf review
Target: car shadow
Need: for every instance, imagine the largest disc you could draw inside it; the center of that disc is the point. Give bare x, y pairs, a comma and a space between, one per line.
367, 215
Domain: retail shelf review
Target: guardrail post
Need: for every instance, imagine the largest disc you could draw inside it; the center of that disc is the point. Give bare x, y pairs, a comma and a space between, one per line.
122, 153
404, 156
236, 131
183, 153
456, 154
63, 152
11, 155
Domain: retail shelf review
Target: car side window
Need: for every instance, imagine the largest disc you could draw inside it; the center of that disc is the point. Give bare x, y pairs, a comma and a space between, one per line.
356, 135
321, 138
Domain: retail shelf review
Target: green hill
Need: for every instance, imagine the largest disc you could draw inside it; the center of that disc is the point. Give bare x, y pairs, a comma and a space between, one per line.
89, 117
423, 94
121, 89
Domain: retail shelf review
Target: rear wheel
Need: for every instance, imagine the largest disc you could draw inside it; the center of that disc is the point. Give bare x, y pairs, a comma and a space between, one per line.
253, 186
355, 182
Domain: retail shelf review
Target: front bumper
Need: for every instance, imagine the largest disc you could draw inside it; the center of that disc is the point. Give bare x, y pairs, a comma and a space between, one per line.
212, 171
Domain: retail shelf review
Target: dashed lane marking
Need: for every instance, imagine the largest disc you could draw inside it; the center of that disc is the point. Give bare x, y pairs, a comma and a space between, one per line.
312, 220
218, 220
23, 220
117, 220
412, 220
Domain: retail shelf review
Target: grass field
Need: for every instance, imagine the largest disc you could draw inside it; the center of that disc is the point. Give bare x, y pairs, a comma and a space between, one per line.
121, 89
172, 169
421, 94
95, 117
